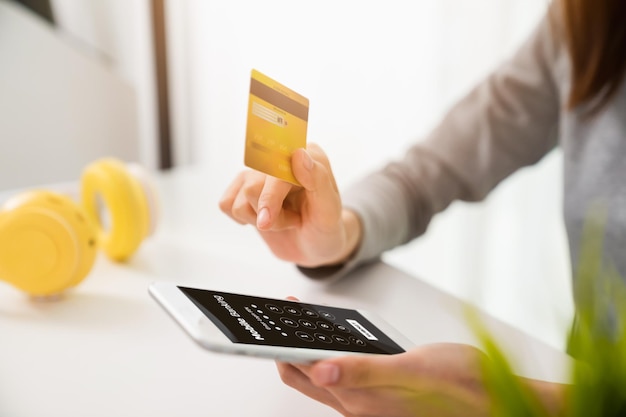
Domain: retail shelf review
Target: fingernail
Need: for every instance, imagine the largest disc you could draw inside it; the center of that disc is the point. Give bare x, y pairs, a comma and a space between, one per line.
308, 161
263, 218
327, 374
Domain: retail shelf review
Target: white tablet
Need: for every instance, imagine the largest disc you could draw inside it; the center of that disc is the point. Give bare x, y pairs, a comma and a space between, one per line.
289, 331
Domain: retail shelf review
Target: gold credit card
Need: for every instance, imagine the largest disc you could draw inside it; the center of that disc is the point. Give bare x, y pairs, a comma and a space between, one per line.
277, 123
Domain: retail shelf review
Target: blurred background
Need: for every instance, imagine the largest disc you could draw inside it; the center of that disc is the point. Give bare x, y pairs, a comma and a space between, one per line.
165, 83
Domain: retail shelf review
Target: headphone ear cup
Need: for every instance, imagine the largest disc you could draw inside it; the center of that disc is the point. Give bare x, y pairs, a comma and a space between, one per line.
46, 243
110, 194
149, 190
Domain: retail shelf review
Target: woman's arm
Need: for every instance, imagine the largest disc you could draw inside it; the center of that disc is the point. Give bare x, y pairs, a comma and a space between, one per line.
506, 122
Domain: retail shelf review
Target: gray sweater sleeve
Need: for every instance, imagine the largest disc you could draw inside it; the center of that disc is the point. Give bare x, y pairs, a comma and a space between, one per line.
506, 122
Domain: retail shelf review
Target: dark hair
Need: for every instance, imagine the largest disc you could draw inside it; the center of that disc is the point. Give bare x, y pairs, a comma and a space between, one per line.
595, 35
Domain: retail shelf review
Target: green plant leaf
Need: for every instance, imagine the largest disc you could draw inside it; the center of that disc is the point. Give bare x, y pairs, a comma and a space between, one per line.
597, 339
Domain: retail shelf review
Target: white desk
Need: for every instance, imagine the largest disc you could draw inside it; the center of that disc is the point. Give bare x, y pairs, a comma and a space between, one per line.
108, 349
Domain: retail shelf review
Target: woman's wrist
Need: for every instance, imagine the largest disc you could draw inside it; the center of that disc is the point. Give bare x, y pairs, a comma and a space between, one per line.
353, 233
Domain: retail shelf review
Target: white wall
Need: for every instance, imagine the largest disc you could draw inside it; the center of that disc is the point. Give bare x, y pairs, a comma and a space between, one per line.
378, 76
371, 69
59, 109
118, 34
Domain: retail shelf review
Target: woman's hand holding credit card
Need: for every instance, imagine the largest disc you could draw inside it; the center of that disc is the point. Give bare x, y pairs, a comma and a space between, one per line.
290, 195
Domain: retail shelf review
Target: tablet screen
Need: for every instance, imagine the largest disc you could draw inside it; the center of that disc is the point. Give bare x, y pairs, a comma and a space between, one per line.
263, 321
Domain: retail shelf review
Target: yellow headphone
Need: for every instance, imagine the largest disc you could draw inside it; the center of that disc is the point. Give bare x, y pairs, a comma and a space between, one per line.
48, 241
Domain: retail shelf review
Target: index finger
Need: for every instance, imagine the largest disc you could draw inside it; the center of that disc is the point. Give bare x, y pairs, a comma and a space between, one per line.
271, 201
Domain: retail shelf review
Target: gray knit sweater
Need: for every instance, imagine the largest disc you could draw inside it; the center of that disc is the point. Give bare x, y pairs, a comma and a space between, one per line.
510, 120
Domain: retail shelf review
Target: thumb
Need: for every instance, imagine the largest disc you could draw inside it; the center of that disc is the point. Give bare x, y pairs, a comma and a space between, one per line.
312, 169
357, 372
